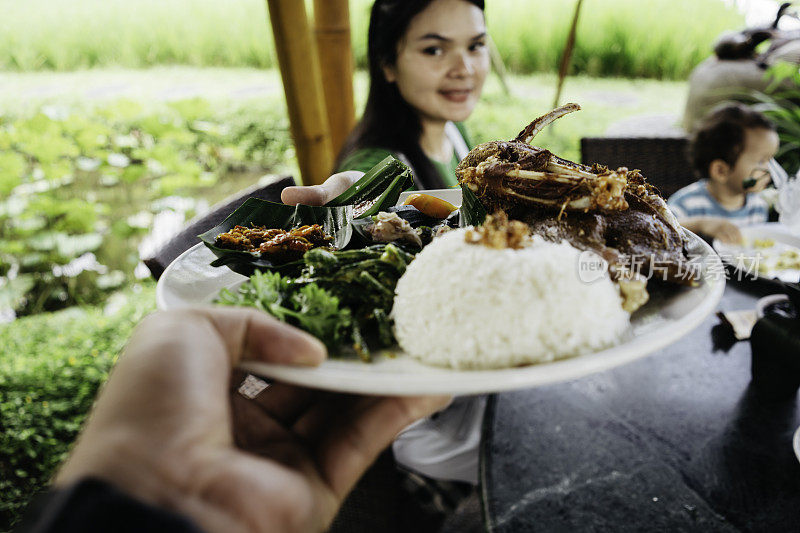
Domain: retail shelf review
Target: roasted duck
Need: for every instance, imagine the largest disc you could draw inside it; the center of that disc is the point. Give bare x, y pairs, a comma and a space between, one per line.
614, 213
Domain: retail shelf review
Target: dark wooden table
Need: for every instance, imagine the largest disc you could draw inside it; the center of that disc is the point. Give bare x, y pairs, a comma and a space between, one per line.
677, 441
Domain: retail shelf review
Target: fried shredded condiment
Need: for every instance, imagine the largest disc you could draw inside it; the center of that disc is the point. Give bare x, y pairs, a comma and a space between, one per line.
278, 244
498, 232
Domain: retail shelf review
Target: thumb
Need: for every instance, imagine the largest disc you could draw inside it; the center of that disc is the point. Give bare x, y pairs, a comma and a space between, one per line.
320, 194
255, 335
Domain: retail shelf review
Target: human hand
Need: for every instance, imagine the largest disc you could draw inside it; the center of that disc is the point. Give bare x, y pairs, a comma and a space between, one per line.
320, 194
724, 230
758, 181
169, 430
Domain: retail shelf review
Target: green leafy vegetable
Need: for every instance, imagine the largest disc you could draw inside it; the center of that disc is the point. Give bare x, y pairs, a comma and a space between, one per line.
308, 306
318, 312
342, 297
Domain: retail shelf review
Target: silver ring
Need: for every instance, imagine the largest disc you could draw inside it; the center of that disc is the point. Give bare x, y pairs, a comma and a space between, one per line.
252, 387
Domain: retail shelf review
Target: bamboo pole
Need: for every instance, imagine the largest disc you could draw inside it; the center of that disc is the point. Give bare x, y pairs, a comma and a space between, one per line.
302, 85
567, 57
332, 30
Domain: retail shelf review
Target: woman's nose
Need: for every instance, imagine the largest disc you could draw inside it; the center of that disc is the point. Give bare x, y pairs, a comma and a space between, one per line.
462, 66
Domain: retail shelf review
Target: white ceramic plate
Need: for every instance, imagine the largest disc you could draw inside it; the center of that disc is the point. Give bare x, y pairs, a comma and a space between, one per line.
190, 280
754, 262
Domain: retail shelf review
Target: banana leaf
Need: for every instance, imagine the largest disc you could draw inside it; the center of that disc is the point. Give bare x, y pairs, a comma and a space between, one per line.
472, 211
255, 212
377, 190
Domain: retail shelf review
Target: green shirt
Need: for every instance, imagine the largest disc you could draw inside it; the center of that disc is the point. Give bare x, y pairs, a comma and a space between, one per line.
366, 158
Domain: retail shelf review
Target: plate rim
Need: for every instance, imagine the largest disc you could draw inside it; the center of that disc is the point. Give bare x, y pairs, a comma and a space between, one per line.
161, 301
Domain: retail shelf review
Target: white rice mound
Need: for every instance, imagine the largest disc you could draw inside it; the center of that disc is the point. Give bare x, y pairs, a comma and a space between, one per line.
468, 306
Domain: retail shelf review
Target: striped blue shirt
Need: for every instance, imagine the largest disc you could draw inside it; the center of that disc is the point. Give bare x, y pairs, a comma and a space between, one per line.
695, 201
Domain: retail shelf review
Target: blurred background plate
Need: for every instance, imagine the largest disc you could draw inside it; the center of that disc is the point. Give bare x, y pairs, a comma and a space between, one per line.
756, 262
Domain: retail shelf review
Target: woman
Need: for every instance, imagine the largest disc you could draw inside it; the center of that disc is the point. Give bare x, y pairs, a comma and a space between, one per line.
427, 63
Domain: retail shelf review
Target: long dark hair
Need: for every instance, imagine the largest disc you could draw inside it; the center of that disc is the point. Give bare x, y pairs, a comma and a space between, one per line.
389, 121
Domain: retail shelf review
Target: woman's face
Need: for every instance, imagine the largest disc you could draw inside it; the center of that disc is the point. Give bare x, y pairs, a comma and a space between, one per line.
442, 61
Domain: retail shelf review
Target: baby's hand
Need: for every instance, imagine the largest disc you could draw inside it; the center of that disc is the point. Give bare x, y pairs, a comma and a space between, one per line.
714, 227
723, 230
752, 186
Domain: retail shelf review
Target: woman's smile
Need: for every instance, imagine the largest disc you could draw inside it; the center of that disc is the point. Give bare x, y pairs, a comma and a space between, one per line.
456, 95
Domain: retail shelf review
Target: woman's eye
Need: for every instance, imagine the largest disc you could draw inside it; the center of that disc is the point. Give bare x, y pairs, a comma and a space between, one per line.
432, 51
477, 46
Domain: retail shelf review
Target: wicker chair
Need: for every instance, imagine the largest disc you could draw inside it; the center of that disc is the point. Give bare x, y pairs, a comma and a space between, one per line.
663, 160
187, 237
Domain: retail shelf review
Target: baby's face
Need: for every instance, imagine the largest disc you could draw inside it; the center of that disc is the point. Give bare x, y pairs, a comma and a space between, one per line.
760, 146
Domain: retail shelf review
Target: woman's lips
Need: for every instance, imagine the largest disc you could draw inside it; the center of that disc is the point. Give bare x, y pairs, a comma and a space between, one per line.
456, 95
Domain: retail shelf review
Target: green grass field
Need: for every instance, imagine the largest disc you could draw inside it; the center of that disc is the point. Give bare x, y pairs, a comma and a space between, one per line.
655, 39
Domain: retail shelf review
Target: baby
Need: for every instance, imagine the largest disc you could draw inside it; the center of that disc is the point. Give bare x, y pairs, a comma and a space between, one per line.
731, 152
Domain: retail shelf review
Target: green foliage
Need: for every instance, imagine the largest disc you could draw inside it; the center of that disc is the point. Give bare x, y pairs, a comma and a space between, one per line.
660, 38
71, 180
51, 369
781, 103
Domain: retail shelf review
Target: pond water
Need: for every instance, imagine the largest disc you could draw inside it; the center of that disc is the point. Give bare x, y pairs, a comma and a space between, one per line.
148, 222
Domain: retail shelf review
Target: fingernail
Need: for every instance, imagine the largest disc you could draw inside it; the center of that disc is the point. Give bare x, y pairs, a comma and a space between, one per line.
312, 354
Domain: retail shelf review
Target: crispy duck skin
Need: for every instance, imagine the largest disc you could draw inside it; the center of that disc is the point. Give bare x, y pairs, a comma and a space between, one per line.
614, 213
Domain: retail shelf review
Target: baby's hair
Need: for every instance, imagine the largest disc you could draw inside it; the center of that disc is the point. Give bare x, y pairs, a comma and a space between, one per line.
721, 135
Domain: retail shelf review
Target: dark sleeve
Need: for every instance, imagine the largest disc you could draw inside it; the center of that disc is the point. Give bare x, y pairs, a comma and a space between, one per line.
94, 506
